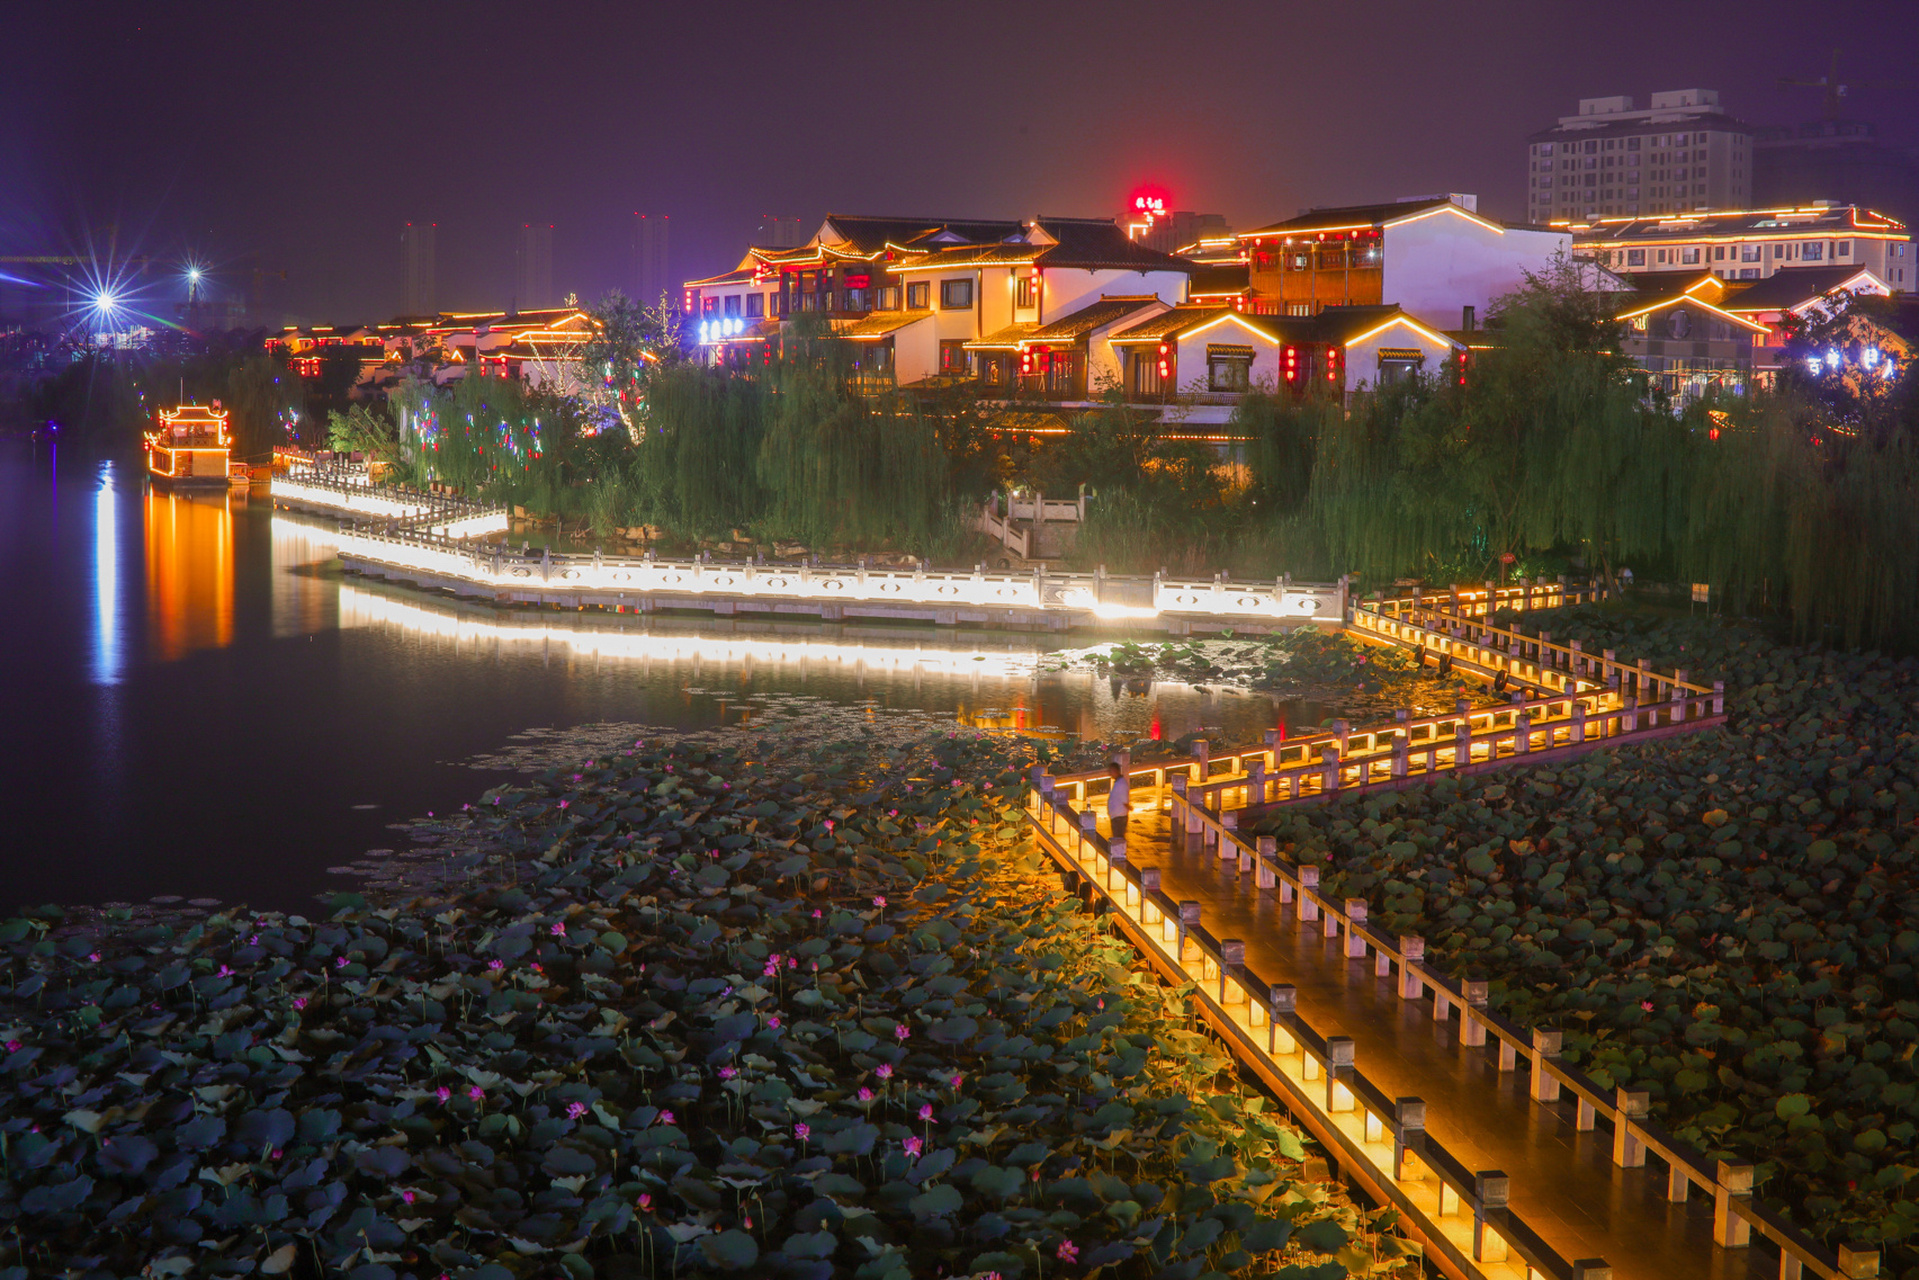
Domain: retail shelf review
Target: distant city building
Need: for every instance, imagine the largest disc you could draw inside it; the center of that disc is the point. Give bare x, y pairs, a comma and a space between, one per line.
652, 278
776, 232
1149, 222
1751, 244
1435, 256
418, 293
1831, 159
533, 267
1681, 154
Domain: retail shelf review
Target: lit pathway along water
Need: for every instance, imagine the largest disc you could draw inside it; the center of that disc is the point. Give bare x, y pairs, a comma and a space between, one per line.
1563, 1182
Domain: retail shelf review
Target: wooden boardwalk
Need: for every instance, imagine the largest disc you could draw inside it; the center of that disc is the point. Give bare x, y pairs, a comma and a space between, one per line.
1503, 1159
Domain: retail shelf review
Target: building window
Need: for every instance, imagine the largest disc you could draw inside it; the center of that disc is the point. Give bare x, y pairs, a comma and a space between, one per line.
1812, 251
1779, 251
755, 304
1145, 367
953, 355
1023, 292
956, 295
1844, 249
886, 298
731, 304
1397, 364
710, 305
859, 299
1689, 256
1749, 273
1751, 252
1719, 253
1632, 144
1228, 368
919, 295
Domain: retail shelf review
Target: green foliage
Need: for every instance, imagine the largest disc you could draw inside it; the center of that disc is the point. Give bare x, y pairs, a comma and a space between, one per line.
1723, 920
721, 1006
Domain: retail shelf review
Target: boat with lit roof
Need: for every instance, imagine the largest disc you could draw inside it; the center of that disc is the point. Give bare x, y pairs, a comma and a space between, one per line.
191, 448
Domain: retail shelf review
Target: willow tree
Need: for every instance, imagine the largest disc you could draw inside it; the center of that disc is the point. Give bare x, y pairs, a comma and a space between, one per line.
843, 468
1545, 441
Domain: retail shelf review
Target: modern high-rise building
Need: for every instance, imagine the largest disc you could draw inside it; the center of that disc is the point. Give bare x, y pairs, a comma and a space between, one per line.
1682, 154
1835, 159
533, 267
651, 276
776, 232
418, 286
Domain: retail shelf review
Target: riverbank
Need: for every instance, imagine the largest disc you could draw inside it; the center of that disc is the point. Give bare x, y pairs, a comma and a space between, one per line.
783, 1008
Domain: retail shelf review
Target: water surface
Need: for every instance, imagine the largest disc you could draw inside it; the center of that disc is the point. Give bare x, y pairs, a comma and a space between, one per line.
197, 701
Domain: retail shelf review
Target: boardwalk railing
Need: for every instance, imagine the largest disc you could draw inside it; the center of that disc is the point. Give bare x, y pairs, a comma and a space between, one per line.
1461, 1215
1584, 702
616, 581
346, 491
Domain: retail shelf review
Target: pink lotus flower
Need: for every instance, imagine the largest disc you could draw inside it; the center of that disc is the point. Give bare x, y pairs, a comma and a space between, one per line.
563, 804
774, 1022
666, 1117
339, 962
829, 824
884, 1071
277, 1153
254, 941
13, 1046
495, 965
791, 963
574, 1110
476, 1093
1646, 1005
443, 1093
866, 1095
816, 913
957, 1077
801, 1131
645, 1202
407, 1196
299, 1002
558, 929
914, 1146
727, 1073
224, 971
926, 1111
900, 1032
879, 899
95, 957
536, 968
1068, 1252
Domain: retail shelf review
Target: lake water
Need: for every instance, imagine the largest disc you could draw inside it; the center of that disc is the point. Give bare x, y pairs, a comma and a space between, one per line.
197, 702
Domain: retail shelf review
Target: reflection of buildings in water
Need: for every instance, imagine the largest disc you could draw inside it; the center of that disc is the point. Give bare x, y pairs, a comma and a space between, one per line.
189, 572
991, 684
303, 602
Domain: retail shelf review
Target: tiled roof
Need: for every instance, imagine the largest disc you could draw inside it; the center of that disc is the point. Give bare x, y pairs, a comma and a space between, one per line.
1077, 324
869, 235
1178, 320
1790, 287
1354, 215
1783, 223
731, 277
1220, 278
1004, 339
878, 324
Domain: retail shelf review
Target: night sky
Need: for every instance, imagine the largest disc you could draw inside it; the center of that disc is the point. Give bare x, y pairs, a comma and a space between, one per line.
303, 136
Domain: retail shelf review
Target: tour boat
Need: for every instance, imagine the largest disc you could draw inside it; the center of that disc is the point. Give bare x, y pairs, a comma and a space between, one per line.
190, 450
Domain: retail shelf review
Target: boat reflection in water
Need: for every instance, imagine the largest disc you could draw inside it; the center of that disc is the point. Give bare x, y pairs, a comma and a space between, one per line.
189, 570
988, 680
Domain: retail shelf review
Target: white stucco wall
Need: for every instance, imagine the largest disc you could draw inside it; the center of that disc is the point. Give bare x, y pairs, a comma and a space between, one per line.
1066, 290
1439, 264
1191, 373
1362, 358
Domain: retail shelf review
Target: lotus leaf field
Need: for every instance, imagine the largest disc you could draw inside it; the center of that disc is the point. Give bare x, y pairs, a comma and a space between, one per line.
1726, 920
771, 1011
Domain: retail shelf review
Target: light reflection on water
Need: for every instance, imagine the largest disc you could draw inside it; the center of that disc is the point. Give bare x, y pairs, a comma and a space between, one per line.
200, 699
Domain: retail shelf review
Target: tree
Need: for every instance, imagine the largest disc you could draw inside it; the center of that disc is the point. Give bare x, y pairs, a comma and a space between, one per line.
629, 343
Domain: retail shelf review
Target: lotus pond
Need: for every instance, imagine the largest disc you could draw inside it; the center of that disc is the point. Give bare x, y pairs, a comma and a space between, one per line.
1727, 920
799, 1011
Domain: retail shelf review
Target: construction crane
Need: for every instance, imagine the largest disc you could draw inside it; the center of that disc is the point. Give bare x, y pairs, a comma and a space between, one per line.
1835, 90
